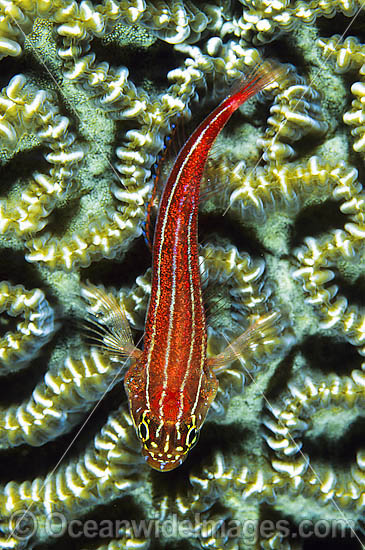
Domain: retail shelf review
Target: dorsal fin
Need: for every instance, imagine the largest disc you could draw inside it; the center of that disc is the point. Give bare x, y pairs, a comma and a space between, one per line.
215, 177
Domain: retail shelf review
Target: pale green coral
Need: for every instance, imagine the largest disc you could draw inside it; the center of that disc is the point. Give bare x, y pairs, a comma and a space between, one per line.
292, 197
18, 347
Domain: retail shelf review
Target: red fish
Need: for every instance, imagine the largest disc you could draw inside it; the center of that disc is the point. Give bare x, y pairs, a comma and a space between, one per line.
171, 383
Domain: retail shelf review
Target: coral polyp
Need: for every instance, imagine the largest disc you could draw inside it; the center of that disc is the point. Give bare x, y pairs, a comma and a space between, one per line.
90, 95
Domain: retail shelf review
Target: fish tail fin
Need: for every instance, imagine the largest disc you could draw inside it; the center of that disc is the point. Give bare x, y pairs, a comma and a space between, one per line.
262, 75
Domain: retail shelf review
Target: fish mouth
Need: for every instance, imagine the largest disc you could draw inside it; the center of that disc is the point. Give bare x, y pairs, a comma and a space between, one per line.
163, 463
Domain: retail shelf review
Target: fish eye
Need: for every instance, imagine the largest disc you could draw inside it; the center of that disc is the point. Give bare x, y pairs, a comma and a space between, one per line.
192, 436
143, 430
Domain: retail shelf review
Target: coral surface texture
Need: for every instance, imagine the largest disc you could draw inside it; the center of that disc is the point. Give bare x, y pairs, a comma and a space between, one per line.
96, 97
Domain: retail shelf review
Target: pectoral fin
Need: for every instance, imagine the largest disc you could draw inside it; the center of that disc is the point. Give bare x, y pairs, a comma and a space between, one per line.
107, 323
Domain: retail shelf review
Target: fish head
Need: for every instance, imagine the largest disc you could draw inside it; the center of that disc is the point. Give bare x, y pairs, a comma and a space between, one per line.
165, 444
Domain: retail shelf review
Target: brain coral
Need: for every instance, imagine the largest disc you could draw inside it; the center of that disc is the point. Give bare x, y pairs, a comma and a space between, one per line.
90, 92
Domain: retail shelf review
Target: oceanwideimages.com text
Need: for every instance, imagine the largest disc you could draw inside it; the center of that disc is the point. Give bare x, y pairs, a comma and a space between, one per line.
23, 526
